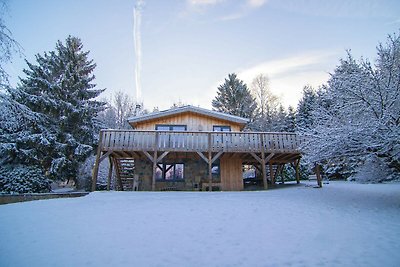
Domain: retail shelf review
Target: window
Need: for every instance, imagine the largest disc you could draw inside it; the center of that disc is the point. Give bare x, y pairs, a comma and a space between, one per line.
165, 127
218, 139
215, 171
169, 172
221, 128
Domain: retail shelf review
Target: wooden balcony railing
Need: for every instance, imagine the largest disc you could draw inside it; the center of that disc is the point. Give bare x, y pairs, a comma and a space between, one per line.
132, 140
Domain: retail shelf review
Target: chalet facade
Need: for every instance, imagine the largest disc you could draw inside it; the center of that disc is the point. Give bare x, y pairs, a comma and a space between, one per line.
191, 148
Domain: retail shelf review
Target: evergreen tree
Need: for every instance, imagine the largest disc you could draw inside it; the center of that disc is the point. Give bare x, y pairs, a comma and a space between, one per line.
60, 91
304, 117
233, 97
290, 120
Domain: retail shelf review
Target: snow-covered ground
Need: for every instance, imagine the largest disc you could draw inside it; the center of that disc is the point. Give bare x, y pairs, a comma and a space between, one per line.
342, 224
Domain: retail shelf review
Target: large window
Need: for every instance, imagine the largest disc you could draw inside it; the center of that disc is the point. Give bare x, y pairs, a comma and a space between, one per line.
218, 139
165, 127
221, 128
169, 172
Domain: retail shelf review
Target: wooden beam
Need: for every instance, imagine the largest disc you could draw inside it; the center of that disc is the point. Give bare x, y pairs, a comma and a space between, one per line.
209, 164
267, 159
162, 156
97, 162
110, 169
154, 160
202, 156
256, 166
125, 154
281, 172
153, 180
297, 171
135, 155
147, 154
121, 187
216, 156
263, 168
256, 157
271, 173
104, 156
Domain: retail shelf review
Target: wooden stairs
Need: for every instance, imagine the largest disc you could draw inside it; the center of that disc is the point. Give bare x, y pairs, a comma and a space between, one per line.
126, 179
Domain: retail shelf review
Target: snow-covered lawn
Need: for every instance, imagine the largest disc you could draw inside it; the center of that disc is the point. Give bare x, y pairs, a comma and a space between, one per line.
343, 224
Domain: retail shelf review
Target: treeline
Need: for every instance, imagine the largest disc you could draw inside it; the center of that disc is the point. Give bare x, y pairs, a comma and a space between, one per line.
51, 120
351, 124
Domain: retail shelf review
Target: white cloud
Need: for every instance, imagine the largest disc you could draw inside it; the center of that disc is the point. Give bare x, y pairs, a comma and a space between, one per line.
204, 2
256, 3
288, 76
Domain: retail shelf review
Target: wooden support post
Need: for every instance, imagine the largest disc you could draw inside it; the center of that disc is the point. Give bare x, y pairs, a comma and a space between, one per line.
153, 180
263, 167
121, 186
298, 171
281, 172
209, 164
318, 173
97, 162
110, 169
271, 174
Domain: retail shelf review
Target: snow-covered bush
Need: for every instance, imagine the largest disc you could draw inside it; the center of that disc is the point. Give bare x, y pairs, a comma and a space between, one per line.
373, 170
23, 179
290, 173
84, 178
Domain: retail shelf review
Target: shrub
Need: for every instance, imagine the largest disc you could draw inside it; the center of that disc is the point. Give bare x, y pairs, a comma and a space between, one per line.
23, 179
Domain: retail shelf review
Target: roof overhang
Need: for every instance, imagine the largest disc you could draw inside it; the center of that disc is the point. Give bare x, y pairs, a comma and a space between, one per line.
179, 110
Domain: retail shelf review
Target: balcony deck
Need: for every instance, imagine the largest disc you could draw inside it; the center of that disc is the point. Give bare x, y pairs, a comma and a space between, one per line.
260, 148
132, 140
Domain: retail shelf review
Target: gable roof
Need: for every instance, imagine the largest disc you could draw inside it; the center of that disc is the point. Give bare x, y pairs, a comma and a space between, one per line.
188, 108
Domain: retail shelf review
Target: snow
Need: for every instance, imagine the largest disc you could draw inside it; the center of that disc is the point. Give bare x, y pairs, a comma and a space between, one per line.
342, 224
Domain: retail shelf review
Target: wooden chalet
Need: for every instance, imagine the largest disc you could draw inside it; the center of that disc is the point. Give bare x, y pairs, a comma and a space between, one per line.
191, 148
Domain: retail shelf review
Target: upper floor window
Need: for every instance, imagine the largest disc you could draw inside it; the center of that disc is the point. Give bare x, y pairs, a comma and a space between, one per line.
221, 128
167, 127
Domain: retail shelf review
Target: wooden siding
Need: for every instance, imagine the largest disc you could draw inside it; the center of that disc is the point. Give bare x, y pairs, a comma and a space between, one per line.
231, 174
193, 121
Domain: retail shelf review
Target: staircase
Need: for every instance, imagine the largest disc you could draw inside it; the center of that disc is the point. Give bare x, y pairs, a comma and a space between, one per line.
274, 169
125, 174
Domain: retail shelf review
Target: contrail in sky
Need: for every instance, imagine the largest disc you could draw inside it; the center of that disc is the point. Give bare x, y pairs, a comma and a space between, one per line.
137, 18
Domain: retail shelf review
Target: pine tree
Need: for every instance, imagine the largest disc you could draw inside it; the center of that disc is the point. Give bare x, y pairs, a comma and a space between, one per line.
290, 120
307, 103
60, 89
233, 97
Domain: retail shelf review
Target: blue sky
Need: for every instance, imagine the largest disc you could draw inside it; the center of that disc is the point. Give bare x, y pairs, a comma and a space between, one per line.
190, 46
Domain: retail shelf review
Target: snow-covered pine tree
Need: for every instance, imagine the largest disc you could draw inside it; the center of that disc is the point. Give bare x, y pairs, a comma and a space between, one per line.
305, 107
24, 142
233, 97
290, 120
279, 122
60, 89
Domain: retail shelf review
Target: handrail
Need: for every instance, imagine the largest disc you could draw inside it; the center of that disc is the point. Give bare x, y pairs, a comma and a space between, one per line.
212, 132
151, 140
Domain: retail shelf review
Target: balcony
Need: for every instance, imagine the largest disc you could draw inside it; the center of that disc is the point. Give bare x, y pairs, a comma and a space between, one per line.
132, 140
